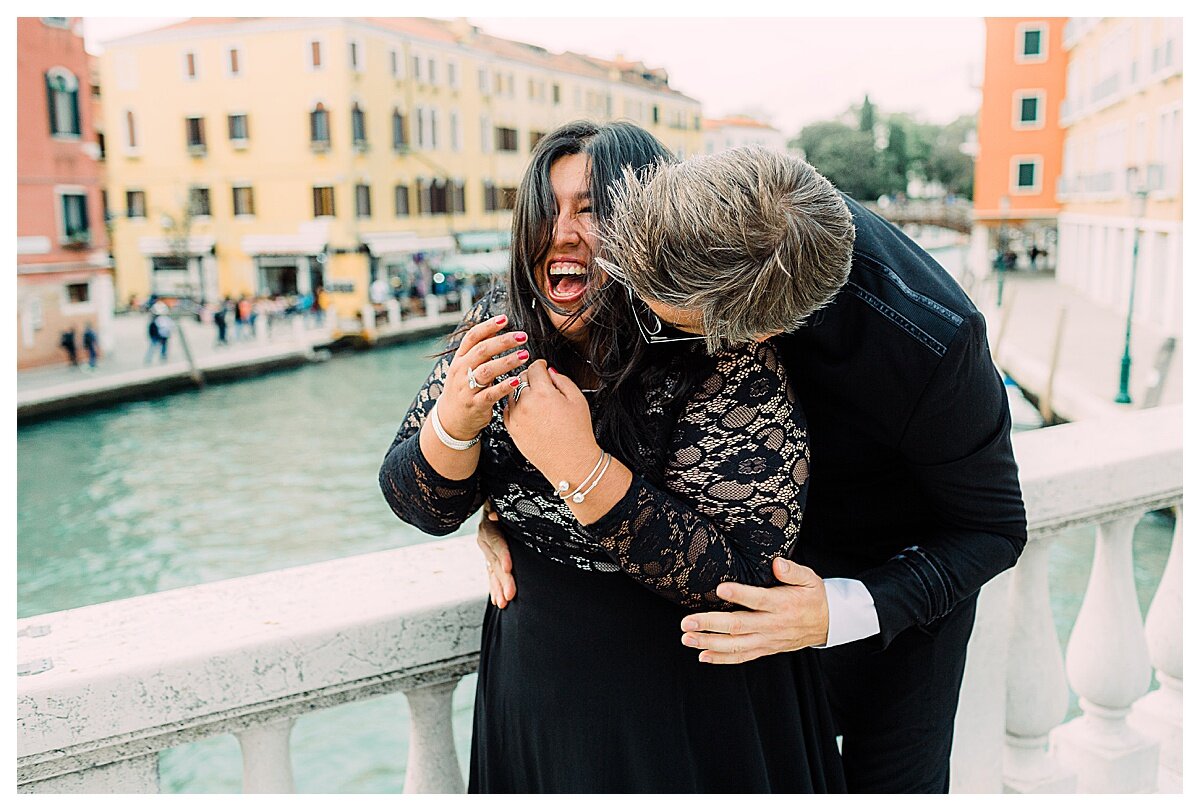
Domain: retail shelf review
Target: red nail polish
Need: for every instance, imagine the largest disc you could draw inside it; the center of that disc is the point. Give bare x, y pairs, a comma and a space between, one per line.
523, 354
520, 337
551, 368
514, 382
501, 319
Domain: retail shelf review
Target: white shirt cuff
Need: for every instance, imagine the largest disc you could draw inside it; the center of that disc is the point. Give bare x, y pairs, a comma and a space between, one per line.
852, 614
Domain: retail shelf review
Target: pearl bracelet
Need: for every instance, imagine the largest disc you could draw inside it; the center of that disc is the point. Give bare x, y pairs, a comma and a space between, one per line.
447, 440
579, 494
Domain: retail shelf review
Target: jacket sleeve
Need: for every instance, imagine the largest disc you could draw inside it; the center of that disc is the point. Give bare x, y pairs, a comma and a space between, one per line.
417, 493
958, 448
736, 479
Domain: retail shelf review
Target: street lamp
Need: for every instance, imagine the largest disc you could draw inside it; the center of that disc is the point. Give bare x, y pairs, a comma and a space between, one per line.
1139, 187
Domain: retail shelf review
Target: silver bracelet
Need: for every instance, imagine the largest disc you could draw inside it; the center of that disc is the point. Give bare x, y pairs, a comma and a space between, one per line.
447, 440
561, 490
579, 497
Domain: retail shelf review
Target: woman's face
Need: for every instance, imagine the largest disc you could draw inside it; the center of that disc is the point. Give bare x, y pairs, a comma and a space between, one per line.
563, 275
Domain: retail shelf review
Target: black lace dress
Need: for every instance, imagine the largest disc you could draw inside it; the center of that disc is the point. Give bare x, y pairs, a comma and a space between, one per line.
583, 683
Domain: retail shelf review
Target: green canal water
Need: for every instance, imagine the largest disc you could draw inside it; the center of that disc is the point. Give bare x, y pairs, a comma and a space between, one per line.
265, 474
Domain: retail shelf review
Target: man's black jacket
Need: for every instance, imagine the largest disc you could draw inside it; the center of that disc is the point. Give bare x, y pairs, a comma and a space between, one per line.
914, 487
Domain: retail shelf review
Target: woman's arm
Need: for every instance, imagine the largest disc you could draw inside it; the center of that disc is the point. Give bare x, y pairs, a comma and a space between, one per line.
734, 486
425, 481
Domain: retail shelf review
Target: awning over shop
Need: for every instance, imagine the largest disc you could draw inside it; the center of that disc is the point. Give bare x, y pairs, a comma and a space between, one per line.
475, 241
302, 244
161, 246
405, 242
467, 263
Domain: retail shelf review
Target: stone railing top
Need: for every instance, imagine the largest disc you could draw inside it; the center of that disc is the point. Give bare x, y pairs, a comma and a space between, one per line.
149, 661
1081, 472
132, 666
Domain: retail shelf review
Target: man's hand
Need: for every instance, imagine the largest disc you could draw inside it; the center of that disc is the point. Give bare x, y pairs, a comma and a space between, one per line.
501, 584
782, 618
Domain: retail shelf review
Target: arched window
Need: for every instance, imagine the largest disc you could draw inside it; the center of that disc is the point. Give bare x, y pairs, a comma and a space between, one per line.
62, 97
319, 126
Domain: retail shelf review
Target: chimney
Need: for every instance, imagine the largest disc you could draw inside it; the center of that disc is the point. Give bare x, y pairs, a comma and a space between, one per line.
462, 29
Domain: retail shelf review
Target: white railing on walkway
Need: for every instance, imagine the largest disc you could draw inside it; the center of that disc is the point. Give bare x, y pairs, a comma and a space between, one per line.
103, 689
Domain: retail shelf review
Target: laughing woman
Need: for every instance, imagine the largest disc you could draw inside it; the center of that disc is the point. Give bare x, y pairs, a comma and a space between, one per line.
632, 471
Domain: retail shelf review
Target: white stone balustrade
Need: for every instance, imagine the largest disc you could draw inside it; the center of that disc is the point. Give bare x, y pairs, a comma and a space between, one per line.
1159, 715
1108, 664
107, 687
1037, 682
1102, 472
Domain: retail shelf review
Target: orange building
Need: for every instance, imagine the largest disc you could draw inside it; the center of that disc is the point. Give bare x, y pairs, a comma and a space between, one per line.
64, 280
1020, 141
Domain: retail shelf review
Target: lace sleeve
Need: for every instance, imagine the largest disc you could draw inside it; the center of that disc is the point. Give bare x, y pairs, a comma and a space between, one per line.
734, 487
417, 493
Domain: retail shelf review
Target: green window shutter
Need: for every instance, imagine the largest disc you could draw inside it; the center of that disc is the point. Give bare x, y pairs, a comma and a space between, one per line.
50, 103
76, 123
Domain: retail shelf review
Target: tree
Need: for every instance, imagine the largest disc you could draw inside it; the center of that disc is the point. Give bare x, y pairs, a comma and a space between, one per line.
895, 158
866, 116
865, 169
844, 155
948, 164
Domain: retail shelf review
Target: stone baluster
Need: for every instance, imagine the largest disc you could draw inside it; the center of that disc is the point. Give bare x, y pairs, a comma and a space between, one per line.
1037, 682
1108, 665
432, 760
1159, 715
267, 758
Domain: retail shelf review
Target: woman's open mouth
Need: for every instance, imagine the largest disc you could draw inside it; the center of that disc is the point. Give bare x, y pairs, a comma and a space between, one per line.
566, 282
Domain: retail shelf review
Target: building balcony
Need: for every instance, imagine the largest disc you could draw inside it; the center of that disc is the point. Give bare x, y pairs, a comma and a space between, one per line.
77, 239
1093, 184
103, 689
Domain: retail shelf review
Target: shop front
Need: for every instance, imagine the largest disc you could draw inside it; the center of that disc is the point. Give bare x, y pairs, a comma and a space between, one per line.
183, 270
287, 265
406, 274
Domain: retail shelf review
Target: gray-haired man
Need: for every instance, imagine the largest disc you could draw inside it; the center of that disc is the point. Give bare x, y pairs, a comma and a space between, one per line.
914, 501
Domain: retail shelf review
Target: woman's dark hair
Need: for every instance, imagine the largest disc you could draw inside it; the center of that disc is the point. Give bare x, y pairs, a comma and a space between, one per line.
626, 367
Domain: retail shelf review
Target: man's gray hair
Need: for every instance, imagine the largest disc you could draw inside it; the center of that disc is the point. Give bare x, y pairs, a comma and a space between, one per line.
755, 240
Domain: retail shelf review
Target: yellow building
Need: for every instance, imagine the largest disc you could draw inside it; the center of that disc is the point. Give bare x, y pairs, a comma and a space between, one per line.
1122, 166
278, 155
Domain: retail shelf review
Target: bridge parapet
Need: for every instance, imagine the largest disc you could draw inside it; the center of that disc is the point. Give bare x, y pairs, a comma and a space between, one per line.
103, 689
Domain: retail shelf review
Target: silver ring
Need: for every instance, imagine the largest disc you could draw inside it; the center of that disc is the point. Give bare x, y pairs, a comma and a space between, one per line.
472, 383
520, 388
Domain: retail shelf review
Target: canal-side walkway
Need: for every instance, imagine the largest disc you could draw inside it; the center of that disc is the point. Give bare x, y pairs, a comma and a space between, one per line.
1085, 379
129, 372
1022, 333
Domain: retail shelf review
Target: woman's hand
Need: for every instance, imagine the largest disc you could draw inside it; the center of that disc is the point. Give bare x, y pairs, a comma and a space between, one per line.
551, 424
465, 410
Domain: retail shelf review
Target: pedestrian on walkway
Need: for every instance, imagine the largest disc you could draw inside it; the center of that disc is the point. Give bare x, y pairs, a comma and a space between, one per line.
257, 308
153, 334
90, 344
304, 306
246, 316
222, 325
239, 319
320, 305
165, 327
67, 342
